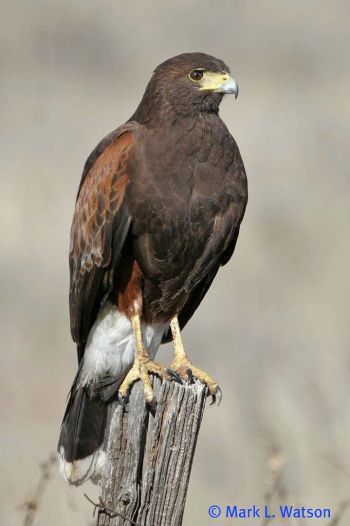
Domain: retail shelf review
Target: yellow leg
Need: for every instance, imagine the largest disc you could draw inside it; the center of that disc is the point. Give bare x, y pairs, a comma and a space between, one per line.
181, 364
143, 366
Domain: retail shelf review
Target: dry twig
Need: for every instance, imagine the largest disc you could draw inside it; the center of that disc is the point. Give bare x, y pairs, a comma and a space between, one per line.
32, 505
101, 507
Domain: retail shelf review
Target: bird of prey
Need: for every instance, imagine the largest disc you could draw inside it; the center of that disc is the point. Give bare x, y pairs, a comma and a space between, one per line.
158, 211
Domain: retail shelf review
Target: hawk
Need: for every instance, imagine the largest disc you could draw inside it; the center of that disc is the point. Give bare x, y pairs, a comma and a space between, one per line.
158, 211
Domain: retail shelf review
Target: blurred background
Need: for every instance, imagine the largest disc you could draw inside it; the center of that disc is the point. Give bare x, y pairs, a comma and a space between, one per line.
274, 328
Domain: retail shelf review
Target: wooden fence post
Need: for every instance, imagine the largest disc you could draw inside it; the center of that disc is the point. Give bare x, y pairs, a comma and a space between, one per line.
151, 456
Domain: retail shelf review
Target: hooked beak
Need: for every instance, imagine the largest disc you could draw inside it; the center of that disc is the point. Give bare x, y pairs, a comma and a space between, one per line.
219, 83
229, 86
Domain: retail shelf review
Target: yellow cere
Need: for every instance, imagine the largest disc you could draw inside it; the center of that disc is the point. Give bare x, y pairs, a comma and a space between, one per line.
212, 81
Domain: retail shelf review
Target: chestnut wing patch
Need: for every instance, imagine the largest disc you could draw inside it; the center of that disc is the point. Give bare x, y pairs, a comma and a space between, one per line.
99, 229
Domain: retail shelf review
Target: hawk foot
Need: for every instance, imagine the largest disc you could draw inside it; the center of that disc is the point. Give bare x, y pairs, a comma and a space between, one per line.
142, 368
186, 371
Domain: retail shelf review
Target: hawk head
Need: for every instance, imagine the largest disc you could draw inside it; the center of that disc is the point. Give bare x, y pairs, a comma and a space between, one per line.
187, 84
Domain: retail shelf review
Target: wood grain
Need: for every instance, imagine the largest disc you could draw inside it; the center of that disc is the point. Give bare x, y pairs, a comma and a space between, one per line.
151, 456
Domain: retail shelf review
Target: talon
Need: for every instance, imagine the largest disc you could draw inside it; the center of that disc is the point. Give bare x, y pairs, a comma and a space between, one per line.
174, 376
215, 396
123, 400
141, 370
152, 405
188, 372
219, 395
190, 376
143, 367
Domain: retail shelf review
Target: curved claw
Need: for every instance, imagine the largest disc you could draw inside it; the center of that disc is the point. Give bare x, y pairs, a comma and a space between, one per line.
174, 376
190, 376
216, 396
219, 395
123, 400
152, 404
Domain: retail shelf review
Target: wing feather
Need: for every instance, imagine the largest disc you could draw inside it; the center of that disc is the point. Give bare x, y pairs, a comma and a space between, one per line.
100, 226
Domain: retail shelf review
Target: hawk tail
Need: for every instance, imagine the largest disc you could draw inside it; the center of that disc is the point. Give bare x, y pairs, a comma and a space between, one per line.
80, 446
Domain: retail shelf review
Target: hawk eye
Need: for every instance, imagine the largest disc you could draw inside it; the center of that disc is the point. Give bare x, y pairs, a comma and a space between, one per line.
196, 75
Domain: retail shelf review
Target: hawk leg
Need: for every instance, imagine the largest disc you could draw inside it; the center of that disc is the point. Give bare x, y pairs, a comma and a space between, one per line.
182, 365
143, 366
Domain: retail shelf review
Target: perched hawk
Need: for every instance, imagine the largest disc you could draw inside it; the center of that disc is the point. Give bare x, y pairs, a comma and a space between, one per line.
158, 211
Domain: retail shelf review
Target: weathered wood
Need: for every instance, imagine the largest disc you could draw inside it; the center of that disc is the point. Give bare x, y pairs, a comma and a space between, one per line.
151, 456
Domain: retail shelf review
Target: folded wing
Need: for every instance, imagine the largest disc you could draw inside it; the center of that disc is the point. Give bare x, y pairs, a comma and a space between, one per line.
100, 226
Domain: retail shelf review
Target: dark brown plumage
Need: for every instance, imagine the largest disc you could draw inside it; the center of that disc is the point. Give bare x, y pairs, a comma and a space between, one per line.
160, 204
175, 173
